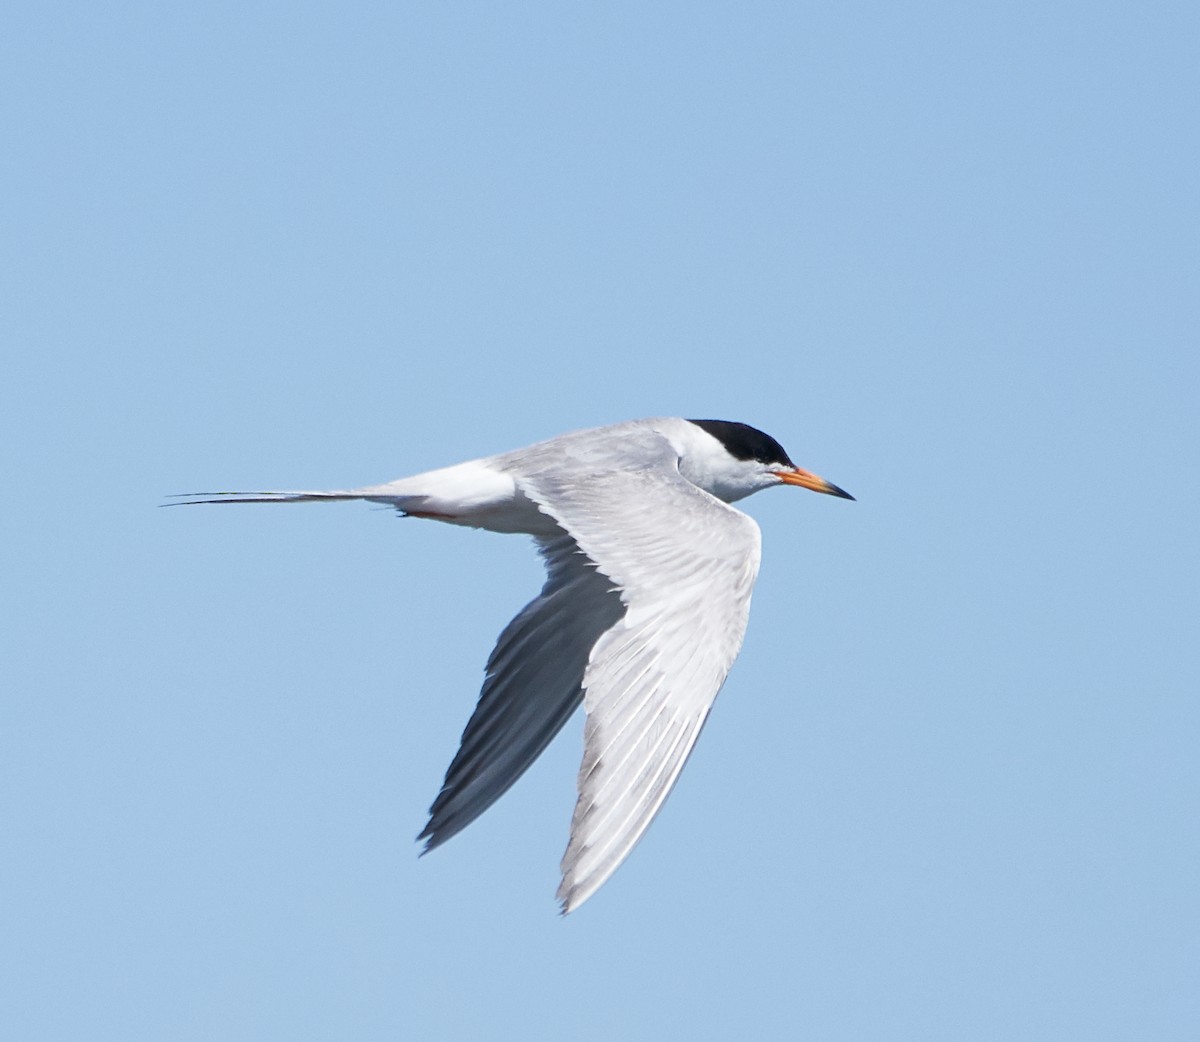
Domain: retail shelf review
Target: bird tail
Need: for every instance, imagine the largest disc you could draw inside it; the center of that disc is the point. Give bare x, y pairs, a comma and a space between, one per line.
463, 493
187, 499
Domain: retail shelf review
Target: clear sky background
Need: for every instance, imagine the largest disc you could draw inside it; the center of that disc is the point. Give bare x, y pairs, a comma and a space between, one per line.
946, 253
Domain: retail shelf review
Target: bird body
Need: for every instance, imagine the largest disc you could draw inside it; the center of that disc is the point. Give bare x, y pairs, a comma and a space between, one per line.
647, 594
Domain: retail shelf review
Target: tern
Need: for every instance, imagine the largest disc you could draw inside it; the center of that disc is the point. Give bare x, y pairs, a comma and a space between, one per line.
649, 572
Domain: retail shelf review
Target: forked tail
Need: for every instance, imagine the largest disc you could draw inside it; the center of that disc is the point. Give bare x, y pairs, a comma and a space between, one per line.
473, 493
187, 499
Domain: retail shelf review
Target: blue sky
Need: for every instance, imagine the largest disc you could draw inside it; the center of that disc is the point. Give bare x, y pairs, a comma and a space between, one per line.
947, 254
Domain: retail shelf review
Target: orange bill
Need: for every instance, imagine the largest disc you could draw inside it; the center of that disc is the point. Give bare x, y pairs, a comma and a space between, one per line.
809, 480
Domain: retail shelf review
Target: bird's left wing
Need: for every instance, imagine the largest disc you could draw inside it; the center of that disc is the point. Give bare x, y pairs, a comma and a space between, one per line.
533, 685
684, 564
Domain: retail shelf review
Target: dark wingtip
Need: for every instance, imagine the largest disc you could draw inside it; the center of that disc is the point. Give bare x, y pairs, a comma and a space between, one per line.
432, 837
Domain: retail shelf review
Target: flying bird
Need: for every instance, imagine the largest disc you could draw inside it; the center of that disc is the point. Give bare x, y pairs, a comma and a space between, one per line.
647, 593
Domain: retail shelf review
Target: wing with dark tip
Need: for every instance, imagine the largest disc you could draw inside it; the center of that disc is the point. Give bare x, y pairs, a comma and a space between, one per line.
534, 683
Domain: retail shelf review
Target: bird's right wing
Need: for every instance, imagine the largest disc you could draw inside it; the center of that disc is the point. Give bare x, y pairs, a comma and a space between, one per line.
534, 683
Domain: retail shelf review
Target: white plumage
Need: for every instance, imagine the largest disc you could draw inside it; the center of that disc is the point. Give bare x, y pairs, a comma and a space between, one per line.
649, 576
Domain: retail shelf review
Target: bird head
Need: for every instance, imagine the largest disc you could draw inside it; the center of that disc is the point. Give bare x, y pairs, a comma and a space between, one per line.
744, 460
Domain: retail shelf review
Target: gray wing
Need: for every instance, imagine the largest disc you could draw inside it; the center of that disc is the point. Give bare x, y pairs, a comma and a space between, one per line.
534, 683
685, 565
